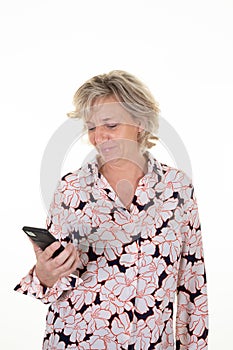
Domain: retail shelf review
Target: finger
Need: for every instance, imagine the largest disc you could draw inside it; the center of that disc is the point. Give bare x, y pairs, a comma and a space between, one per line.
74, 267
64, 255
68, 264
69, 267
50, 250
36, 248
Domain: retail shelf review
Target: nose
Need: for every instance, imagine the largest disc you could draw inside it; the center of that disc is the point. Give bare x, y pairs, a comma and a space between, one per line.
100, 134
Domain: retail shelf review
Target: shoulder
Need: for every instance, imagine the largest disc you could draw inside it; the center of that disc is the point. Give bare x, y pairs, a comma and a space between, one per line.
173, 182
173, 174
81, 177
169, 174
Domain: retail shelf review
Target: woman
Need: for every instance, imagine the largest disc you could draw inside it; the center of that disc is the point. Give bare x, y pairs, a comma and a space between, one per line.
131, 232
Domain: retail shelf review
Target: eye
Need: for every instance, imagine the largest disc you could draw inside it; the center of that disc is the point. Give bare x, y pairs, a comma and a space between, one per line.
91, 128
112, 125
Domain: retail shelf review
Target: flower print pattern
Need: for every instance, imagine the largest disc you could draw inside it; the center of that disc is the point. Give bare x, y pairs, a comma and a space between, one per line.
54, 343
123, 285
156, 323
142, 335
167, 337
144, 299
96, 317
97, 212
135, 265
108, 240
121, 329
173, 181
162, 210
103, 339
145, 190
166, 292
50, 321
169, 243
131, 256
66, 315
75, 190
152, 269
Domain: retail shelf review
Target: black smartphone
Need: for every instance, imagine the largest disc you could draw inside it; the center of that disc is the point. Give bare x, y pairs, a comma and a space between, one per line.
42, 238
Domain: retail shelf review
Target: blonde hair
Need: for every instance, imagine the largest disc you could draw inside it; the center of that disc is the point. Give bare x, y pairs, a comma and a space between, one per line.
131, 93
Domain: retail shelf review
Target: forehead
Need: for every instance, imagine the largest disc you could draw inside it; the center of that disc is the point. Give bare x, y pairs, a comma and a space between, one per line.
104, 109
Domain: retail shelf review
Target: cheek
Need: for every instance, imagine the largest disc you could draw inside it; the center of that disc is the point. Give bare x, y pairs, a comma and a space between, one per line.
91, 138
132, 133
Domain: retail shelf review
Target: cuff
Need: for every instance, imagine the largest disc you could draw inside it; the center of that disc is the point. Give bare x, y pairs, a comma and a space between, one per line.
31, 285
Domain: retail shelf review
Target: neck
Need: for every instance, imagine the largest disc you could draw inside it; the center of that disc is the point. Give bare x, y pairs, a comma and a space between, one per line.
130, 169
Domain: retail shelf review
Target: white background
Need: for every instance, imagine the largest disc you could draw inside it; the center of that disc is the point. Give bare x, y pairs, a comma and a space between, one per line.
183, 51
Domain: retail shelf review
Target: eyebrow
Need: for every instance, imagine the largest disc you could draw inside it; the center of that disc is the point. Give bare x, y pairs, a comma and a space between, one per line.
104, 120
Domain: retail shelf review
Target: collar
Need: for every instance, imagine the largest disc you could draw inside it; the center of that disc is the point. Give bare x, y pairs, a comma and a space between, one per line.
92, 167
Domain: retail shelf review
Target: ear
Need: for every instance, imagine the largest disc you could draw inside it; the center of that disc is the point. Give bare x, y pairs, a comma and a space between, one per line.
141, 126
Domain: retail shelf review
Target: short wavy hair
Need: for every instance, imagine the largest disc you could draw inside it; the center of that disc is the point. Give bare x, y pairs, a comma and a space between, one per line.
131, 93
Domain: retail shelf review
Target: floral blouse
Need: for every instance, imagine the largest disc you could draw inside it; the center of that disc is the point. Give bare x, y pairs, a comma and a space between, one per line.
135, 265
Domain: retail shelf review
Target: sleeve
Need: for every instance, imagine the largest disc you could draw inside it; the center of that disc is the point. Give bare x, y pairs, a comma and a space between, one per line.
57, 224
192, 304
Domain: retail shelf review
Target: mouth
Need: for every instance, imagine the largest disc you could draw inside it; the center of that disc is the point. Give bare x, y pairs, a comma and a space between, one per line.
106, 149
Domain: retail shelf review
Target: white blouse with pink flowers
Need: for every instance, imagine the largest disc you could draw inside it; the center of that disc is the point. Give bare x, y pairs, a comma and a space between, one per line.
135, 265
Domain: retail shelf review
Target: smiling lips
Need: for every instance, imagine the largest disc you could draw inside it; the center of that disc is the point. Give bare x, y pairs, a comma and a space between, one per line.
106, 149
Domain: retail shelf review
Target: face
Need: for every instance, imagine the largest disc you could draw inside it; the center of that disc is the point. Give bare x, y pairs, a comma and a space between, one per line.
112, 130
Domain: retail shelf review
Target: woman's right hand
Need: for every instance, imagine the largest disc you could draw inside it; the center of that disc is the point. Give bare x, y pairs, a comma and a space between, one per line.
49, 269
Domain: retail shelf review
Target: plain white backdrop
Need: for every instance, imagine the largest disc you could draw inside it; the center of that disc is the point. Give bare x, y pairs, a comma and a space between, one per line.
183, 51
